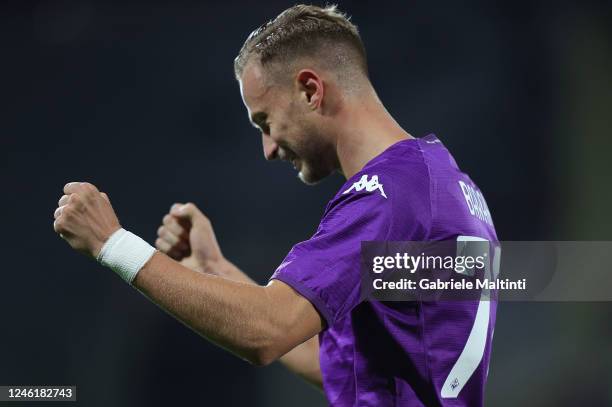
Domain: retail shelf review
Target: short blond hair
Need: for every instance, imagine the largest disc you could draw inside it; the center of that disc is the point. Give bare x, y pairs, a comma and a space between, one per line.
306, 31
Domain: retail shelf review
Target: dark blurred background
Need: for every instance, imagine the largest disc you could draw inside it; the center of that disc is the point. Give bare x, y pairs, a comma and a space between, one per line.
139, 98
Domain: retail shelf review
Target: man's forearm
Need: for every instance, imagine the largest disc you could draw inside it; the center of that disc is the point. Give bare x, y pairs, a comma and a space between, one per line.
246, 319
227, 269
201, 302
303, 360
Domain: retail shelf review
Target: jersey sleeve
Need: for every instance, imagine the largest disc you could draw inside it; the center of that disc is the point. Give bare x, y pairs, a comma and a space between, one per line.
326, 268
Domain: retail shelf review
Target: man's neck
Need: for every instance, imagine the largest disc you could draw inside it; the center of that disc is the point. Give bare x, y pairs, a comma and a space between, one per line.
367, 130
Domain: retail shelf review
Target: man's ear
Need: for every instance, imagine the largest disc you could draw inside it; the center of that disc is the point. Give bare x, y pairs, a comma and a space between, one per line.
311, 87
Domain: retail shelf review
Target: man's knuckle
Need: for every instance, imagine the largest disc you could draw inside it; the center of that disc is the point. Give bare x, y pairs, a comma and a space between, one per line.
162, 245
70, 210
89, 189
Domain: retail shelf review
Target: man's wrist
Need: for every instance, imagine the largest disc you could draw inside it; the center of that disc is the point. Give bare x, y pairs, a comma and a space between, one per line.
125, 253
100, 244
216, 266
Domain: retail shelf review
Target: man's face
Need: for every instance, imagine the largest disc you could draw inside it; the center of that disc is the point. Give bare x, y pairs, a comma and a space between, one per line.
291, 131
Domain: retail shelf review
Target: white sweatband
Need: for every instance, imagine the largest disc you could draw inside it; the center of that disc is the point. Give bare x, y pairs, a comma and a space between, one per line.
125, 253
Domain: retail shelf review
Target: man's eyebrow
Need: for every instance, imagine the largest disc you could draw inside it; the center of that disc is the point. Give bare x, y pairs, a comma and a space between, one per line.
258, 119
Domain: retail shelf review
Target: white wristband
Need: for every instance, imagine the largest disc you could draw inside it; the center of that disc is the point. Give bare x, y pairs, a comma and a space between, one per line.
125, 253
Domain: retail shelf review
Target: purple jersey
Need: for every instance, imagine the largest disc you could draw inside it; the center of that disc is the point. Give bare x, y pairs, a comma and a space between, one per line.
375, 353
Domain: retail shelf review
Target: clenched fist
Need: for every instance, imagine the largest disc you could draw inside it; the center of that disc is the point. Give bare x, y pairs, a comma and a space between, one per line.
187, 236
85, 218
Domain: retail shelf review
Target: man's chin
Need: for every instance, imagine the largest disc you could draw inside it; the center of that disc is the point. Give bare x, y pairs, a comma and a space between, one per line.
306, 180
310, 178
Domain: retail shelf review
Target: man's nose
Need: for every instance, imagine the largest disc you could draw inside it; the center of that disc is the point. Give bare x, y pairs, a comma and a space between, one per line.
270, 147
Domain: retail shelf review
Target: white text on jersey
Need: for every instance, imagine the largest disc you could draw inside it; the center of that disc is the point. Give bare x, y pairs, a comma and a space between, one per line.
476, 203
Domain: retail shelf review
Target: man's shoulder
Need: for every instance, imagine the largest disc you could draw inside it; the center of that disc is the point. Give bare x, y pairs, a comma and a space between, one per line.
391, 180
396, 170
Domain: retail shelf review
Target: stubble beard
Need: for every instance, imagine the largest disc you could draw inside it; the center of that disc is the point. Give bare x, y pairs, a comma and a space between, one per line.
315, 166
317, 157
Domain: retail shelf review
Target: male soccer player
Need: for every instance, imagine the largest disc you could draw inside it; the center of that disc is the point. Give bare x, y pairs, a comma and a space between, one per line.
304, 81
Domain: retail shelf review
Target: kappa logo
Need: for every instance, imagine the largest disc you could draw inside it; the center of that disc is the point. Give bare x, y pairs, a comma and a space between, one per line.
368, 185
